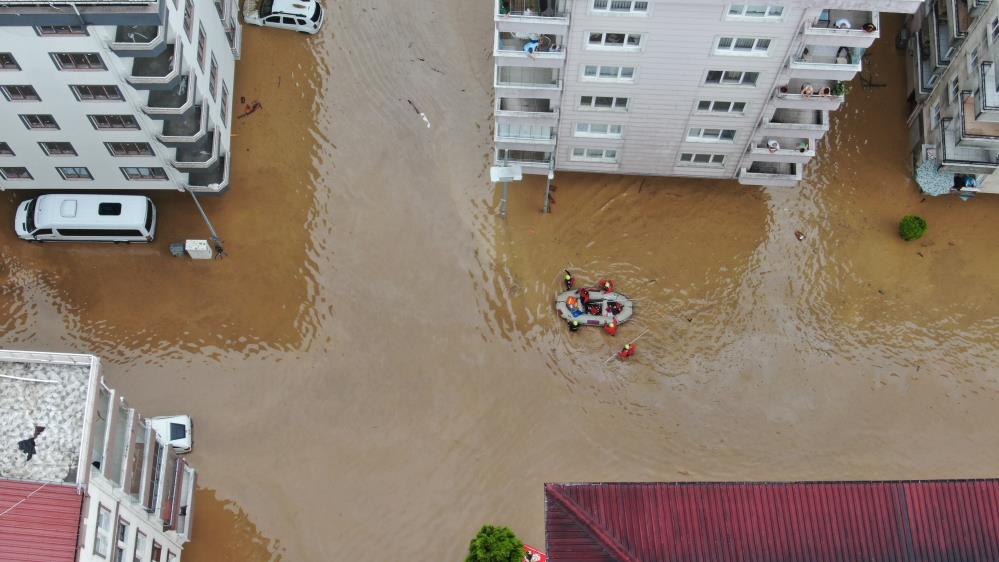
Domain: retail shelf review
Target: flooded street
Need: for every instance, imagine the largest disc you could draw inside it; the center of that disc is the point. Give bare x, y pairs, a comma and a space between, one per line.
376, 367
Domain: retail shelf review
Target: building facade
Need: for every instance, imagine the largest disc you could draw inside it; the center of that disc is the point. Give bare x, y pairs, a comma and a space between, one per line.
697, 88
84, 450
117, 94
954, 95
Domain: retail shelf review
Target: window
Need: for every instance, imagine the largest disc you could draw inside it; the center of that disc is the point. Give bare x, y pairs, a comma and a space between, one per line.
697, 159
742, 46
721, 106
603, 102
157, 552
114, 122
621, 6
732, 78
133, 174
7, 62
139, 552
97, 93
39, 121
697, 134
171, 557
5, 149
102, 532
20, 93
955, 89
523, 131
15, 173
78, 61
599, 130
609, 73
189, 19
129, 148
973, 60
935, 115
615, 40
994, 29
61, 30
202, 46
121, 541
103, 233
71, 173
755, 11
220, 8
213, 78
604, 155
109, 209
57, 148
224, 109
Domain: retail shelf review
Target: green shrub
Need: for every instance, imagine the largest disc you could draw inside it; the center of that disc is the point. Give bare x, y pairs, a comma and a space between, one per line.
840, 89
911, 227
495, 544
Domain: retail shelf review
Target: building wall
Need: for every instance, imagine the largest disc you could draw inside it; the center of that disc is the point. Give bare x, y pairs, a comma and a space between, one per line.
32, 52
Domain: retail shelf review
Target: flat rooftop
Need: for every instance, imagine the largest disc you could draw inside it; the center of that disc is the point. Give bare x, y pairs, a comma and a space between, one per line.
50, 391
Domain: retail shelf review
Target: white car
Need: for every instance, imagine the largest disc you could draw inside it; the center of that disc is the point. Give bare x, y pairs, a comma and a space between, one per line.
297, 15
177, 431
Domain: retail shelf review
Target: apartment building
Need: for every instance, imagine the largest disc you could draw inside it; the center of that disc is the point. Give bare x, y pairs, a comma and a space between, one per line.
84, 477
117, 94
697, 88
954, 96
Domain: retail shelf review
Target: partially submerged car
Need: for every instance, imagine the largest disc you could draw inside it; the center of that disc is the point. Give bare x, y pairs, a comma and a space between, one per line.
297, 15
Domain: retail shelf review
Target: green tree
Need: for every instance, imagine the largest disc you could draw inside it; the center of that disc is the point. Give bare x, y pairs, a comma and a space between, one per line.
495, 544
911, 227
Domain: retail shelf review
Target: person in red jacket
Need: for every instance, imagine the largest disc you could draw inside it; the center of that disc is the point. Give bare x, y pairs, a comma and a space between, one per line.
584, 296
611, 326
569, 280
627, 351
607, 285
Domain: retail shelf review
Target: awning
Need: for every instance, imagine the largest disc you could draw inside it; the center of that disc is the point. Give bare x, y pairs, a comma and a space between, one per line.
932, 180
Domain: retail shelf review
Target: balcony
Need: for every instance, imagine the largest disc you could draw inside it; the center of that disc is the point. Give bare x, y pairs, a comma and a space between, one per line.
526, 16
960, 159
809, 94
943, 45
827, 62
215, 179
523, 136
509, 50
989, 103
137, 40
199, 155
538, 110
162, 70
234, 34
531, 161
783, 149
974, 132
961, 20
187, 128
771, 174
174, 101
796, 123
516, 81
926, 75
845, 28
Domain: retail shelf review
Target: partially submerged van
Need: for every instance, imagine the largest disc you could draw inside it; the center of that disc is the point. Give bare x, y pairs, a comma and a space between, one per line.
297, 15
86, 218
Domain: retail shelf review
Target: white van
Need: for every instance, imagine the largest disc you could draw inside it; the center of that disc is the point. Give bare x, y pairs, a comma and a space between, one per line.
86, 218
297, 15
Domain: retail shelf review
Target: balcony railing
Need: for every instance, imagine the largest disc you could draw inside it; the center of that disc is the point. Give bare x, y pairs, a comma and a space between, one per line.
973, 131
540, 9
942, 34
925, 70
159, 70
546, 46
525, 77
851, 28
974, 159
771, 173
537, 108
174, 101
990, 87
137, 38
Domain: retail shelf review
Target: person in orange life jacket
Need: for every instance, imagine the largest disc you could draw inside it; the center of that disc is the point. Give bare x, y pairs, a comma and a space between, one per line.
569, 281
611, 326
574, 325
606, 285
627, 351
584, 296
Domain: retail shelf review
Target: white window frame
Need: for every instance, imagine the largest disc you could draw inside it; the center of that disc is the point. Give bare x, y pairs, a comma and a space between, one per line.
140, 551
712, 111
583, 129
711, 134
973, 60
599, 71
935, 116
714, 160
994, 30
119, 551
955, 89
75, 173
740, 83
583, 154
102, 534
753, 51
592, 105
766, 16
631, 11
604, 46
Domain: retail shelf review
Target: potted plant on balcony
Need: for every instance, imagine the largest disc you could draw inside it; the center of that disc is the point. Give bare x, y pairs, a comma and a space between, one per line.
840, 88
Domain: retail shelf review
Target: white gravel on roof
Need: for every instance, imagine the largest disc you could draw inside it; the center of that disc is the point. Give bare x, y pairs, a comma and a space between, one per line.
58, 406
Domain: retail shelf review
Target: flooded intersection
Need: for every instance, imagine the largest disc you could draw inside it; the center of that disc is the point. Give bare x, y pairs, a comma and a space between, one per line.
376, 366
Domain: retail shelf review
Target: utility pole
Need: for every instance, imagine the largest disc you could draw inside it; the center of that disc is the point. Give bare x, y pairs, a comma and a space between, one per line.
217, 242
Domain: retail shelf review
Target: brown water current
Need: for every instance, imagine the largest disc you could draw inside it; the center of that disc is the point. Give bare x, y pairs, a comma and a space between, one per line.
376, 367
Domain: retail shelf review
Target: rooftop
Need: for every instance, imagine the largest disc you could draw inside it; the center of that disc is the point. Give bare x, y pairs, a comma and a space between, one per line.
901, 521
43, 407
39, 522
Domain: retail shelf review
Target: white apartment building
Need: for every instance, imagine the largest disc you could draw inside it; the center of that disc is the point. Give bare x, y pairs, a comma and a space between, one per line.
83, 476
954, 95
697, 88
117, 94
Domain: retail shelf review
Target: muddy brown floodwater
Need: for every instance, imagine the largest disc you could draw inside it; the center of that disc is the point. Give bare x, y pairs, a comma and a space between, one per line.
376, 368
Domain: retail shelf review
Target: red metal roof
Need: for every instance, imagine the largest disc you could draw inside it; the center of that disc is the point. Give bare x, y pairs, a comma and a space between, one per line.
904, 521
43, 527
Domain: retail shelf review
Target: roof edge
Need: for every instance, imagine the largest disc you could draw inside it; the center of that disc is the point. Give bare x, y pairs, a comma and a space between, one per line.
596, 531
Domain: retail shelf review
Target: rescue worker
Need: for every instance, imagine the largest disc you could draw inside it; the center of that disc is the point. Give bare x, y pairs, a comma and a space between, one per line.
611, 326
627, 351
584, 296
569, 281
607, 285
574, 325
